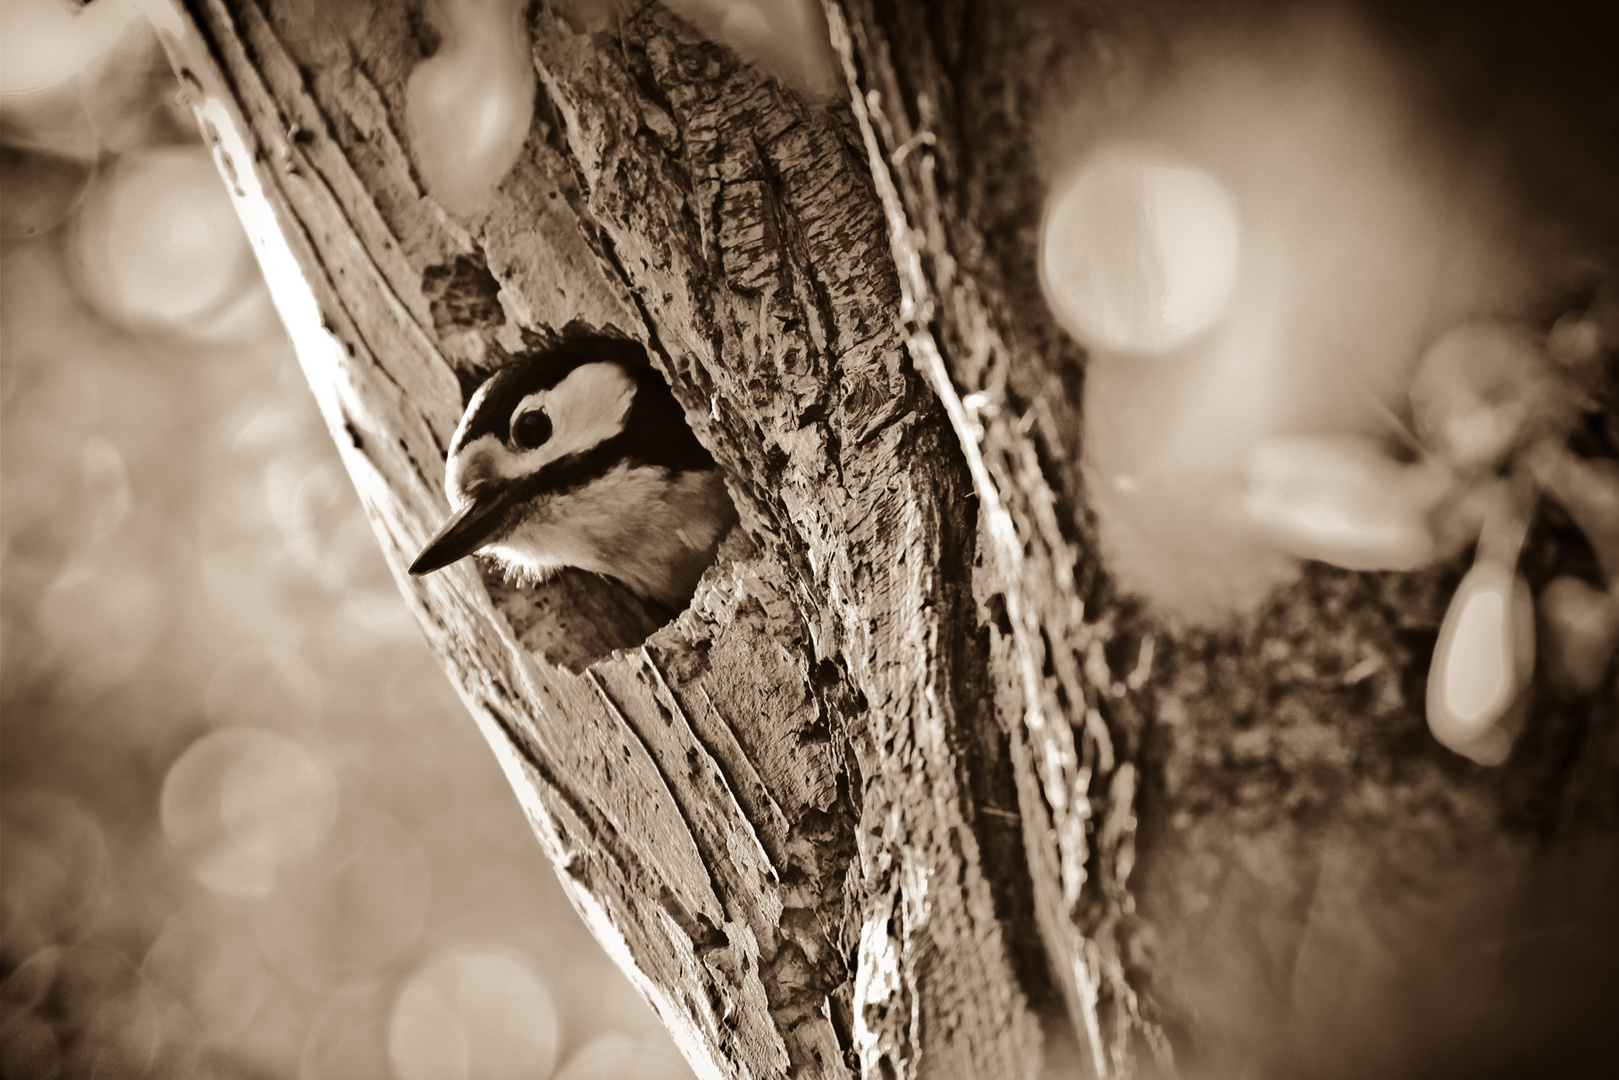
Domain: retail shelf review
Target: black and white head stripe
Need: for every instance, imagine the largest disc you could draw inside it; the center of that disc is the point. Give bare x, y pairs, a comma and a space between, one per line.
601, 404
493, 405
580, 456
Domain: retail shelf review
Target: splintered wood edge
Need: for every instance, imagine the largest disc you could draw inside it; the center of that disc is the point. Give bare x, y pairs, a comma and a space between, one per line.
1055, 790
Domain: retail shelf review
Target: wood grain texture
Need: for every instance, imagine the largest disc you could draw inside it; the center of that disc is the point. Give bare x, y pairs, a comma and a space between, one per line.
761, 808
1248, 855
1076, 792
908, 750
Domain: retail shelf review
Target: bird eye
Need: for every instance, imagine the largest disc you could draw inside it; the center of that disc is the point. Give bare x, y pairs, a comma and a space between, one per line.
531, 429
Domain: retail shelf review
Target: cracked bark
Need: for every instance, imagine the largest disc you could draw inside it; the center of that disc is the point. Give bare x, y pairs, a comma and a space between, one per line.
1247, 855
759, 808
907, 779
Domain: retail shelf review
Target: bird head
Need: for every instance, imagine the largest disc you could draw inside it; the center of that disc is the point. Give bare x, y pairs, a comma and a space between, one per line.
580, 456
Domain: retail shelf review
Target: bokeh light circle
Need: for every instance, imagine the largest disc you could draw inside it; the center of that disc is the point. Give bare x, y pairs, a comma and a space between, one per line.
221, 978
310, 929
474, 1014
1139, 253
348, 1041
159, 243
98, 995
47, 42
53, 869
616, 1056
105, 613
241, 803
266, 686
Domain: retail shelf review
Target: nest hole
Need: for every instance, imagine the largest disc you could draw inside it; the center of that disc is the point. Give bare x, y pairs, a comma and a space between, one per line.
577, 619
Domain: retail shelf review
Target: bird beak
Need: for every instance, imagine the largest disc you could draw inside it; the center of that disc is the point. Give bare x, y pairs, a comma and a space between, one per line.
468, 529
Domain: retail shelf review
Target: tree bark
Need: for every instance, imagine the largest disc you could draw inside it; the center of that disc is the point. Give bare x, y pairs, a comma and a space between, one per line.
1247, 854
761, 809
909, 777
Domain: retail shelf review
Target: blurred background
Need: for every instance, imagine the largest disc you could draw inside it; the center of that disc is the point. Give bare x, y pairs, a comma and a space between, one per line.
246, 827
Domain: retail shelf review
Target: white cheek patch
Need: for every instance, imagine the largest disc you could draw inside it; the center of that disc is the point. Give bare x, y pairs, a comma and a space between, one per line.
586, 409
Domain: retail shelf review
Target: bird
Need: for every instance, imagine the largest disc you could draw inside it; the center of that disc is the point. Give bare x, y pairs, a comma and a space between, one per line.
579, 455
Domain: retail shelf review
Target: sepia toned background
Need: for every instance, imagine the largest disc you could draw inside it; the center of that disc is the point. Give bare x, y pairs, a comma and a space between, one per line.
248, 828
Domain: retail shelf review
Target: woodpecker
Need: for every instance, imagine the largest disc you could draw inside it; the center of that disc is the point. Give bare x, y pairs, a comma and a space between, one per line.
580, 456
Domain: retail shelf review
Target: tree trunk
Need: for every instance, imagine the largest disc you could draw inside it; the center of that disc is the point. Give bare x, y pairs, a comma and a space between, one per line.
909, 777
1247, 855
